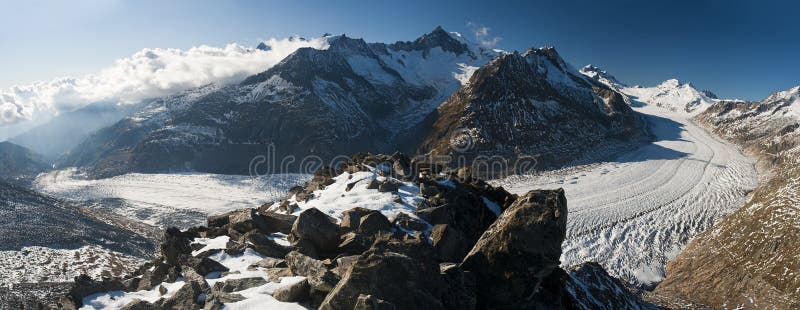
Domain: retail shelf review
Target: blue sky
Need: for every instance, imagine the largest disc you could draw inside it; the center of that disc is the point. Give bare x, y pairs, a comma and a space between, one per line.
738, 49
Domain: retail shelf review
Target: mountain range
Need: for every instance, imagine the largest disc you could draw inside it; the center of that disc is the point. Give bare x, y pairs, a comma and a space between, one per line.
411, 96
438, 95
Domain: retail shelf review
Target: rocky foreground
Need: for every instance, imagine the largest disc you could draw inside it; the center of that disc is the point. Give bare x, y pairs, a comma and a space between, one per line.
465, 245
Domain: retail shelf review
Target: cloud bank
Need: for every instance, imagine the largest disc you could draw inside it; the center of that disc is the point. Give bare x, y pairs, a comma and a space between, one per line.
149, 73
482, 35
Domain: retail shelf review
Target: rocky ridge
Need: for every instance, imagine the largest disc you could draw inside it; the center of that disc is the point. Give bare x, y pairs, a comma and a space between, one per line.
290, 254
19, 164
532, 104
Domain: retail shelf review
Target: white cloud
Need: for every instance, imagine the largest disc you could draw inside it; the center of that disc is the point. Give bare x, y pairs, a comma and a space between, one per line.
149, 73
483, 36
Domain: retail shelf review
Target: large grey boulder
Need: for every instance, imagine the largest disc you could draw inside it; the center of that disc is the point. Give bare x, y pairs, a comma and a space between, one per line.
317, 230
396, 273
516, 261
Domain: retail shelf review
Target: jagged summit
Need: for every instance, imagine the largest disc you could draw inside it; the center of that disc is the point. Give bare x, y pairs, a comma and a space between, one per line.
789, 94
511, 105
601, 76
263, 46
347, 45
437, 38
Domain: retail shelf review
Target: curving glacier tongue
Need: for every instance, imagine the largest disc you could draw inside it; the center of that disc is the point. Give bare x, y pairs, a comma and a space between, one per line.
634, 213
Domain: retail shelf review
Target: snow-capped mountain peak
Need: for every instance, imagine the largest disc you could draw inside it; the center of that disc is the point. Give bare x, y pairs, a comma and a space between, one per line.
792, 95
601, 76
448, 42
674, 95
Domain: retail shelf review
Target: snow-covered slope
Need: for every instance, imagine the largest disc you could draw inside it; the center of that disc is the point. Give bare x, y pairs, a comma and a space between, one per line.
673, 95
45, 239
182, 200
602, 76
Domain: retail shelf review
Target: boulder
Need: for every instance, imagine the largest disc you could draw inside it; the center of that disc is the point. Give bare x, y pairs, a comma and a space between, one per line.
404, 274
449, 243
277, 222
343, 263
316, 229
203, 265
219, 220
264, 245
461, 208
234, 248
276, 273
407, 222
151, 278
240, 284
373, 223
462, 284
295, 292
187, 297
353, 244
319, 277
214, 232
515, 259
389, 185
138, 304
246, 220
217, 297
85, 286
270, 262
369, 302
428, 189
175, 245
352, 218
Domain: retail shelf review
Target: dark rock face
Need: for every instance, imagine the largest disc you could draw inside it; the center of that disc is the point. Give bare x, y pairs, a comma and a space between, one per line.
175, 246
320, 279
247, 220
589, 286
416, 283
263, 245
374, 222
296, 292
513, 261
233, 285
85, 286
20, 165
277, 222
315, 229
558, 113
449, 243
461, 207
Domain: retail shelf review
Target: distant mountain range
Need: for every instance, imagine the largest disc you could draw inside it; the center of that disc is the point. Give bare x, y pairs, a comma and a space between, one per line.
19, 164
356, 96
